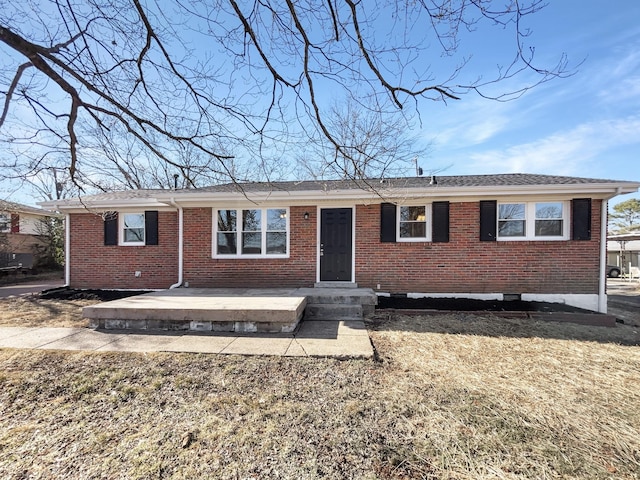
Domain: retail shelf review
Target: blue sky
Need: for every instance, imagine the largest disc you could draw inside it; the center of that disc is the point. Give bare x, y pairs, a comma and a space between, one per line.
586, 125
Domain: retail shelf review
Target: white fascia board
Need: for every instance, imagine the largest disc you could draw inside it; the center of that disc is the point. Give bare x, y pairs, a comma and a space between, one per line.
137, 204
313, 197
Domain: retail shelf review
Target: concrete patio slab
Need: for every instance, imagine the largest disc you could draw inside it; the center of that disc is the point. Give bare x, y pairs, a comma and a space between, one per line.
225, 292
241, 310
38, 337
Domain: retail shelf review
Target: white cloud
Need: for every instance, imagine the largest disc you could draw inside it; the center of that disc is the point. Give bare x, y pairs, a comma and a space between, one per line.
563, 153
473, 122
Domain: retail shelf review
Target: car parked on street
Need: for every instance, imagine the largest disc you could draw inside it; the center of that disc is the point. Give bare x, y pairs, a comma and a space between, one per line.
613, 271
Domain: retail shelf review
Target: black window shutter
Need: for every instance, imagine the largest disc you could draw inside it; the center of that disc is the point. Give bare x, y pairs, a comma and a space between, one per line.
15, 223
581, 219
151, 227
387, 222
440, 226
488, 220
111, 230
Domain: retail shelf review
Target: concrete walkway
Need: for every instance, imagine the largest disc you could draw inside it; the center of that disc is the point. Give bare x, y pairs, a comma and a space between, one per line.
28, 287
341, 339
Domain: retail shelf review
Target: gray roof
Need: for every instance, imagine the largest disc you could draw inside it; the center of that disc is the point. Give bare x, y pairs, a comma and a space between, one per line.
371, 185
122, 195
499, 180
13, 207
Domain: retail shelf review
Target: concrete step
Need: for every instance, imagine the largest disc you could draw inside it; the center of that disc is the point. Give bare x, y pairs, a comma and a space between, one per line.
335, 285
361, 296
332, 312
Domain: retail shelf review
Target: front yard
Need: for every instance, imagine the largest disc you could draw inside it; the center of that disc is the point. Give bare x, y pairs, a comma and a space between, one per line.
453, 396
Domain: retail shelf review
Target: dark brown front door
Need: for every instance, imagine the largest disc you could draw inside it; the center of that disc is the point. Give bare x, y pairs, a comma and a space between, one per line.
336, 245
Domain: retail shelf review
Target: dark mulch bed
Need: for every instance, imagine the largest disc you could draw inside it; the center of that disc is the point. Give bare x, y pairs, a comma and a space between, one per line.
474, 305
89, 294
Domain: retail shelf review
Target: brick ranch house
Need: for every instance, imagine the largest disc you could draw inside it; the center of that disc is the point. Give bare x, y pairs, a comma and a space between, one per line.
538, 237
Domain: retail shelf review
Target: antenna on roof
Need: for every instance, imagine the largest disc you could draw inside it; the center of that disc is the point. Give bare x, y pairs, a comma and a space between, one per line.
418, 169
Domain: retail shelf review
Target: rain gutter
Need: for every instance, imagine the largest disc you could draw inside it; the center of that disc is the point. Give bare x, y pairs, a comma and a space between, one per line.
180, 243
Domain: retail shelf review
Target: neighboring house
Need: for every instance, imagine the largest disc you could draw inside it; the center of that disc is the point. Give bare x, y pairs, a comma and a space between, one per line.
20, 234
535, 237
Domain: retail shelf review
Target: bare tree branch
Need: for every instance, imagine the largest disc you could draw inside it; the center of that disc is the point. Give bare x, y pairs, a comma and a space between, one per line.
243, 86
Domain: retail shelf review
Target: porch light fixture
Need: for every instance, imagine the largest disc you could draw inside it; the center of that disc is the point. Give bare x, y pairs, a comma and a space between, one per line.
306, 215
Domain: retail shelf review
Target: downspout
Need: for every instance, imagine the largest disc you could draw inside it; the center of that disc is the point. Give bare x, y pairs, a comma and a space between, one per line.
180, 244
67, 250
602, 282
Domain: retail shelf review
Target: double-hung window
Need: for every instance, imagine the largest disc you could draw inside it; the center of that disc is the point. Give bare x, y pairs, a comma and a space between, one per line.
549, 221
512, 220
255, 232
5, 223
132, 227
533, 221
413, 223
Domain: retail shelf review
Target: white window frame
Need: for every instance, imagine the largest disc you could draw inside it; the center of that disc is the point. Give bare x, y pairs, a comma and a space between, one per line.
427, 228
7, 222
263, 231
121, 229
530, 222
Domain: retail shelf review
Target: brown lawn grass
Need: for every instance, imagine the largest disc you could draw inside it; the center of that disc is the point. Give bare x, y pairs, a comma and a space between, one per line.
453, 396
33, 311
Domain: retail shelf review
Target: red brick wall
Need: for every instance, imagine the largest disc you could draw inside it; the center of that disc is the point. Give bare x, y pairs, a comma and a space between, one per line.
201, 270
463, 265
94, 265
466, 265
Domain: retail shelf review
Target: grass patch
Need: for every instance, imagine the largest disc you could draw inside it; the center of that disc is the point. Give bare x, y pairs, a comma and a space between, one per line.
33, 311
453, 396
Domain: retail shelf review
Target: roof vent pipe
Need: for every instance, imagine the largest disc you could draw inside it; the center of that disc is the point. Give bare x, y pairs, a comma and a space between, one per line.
433, 181
175, 181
